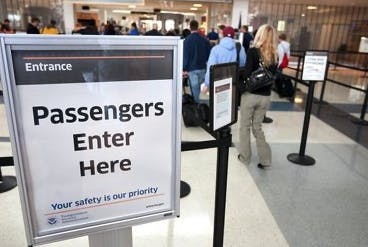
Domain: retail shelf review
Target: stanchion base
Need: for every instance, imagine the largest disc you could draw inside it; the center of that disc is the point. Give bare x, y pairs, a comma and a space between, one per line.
184, 189
301, 160
360, 122
267, 120
7, 183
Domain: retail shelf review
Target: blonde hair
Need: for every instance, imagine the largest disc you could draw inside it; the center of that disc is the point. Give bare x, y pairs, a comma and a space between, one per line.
266, 41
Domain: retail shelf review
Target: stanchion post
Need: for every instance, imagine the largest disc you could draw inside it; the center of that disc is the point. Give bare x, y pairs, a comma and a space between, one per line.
297, 75
224, 139
7, 182
301, 158
114, 238
361, 120
324, 85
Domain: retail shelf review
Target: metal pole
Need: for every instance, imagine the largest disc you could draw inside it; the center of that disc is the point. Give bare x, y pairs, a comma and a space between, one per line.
298, 68
224, 138
297, 75
115, 238
324, 85
301, 158
361, 120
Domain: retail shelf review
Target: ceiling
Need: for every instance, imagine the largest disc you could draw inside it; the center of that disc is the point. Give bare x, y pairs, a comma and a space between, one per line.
185, 5
150, 5
320, 2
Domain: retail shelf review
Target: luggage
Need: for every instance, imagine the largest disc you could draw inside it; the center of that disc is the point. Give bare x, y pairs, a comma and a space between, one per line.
284, 86
193, 112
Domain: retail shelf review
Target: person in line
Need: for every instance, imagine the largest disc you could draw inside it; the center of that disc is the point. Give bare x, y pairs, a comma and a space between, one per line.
32, 27
5, 27
133, 29
254, 105
154, 31
283, 49
196, 52
109, 29
213, 37
51, 28
185, 33
224, 52
89, 29
247, 37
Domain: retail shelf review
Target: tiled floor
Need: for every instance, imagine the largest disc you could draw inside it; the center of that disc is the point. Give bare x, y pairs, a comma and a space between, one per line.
288, 205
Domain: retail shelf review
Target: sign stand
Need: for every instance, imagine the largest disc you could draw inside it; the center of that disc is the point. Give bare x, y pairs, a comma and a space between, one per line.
223, 113
7, 182
314, 69
115, 238
300, 158
99, 133
224, 137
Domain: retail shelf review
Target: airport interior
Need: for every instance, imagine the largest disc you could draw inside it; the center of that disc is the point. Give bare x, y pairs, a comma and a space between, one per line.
323, 204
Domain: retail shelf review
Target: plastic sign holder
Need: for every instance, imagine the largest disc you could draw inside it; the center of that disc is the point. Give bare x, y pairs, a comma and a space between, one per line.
223, 95
95, 130
314, 69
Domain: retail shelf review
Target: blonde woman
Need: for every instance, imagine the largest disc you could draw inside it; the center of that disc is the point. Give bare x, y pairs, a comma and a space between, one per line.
254, 105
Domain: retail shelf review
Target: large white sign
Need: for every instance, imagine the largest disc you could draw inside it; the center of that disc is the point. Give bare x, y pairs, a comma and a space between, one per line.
97, 136
314, 66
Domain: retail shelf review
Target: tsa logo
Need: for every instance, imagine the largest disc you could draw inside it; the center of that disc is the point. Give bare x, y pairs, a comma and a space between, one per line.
52, 221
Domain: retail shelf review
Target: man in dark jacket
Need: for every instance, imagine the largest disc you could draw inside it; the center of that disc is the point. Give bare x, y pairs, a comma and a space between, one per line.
196, 52
247, 37
32, 27
153, 31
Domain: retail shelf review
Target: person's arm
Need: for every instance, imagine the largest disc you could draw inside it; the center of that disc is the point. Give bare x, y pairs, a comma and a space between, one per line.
251, 63
211, 61
242, 57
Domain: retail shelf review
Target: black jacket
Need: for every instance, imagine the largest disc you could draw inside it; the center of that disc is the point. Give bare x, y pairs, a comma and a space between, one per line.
252, 64
32, 29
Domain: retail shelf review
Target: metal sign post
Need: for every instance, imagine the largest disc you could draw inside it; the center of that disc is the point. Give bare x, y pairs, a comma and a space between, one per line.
78, 108
314, 69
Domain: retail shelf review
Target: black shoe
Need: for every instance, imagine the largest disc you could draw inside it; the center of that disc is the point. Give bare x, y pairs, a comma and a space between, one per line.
267, 120
260, 166
242, 160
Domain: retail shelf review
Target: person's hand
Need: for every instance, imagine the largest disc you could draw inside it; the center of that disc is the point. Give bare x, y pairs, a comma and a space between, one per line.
185, 74
204, 89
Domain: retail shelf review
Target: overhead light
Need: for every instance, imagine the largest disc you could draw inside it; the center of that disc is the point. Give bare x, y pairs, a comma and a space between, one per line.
197, 5
193, 8
121, 11
176, 12
131, 6
310, 7
303, 15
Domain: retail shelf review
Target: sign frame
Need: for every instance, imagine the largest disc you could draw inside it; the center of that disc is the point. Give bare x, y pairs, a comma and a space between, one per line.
316, 53
8, 43
222, 72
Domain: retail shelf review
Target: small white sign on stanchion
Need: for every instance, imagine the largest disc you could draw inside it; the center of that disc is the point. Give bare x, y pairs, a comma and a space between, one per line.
315, 66
223, 95
95, 131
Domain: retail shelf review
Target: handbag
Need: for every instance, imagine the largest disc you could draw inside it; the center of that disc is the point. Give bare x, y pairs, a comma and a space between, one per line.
259, 78
284, 62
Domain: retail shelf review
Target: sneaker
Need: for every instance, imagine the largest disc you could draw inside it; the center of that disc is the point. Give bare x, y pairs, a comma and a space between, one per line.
242, 159
260, 166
